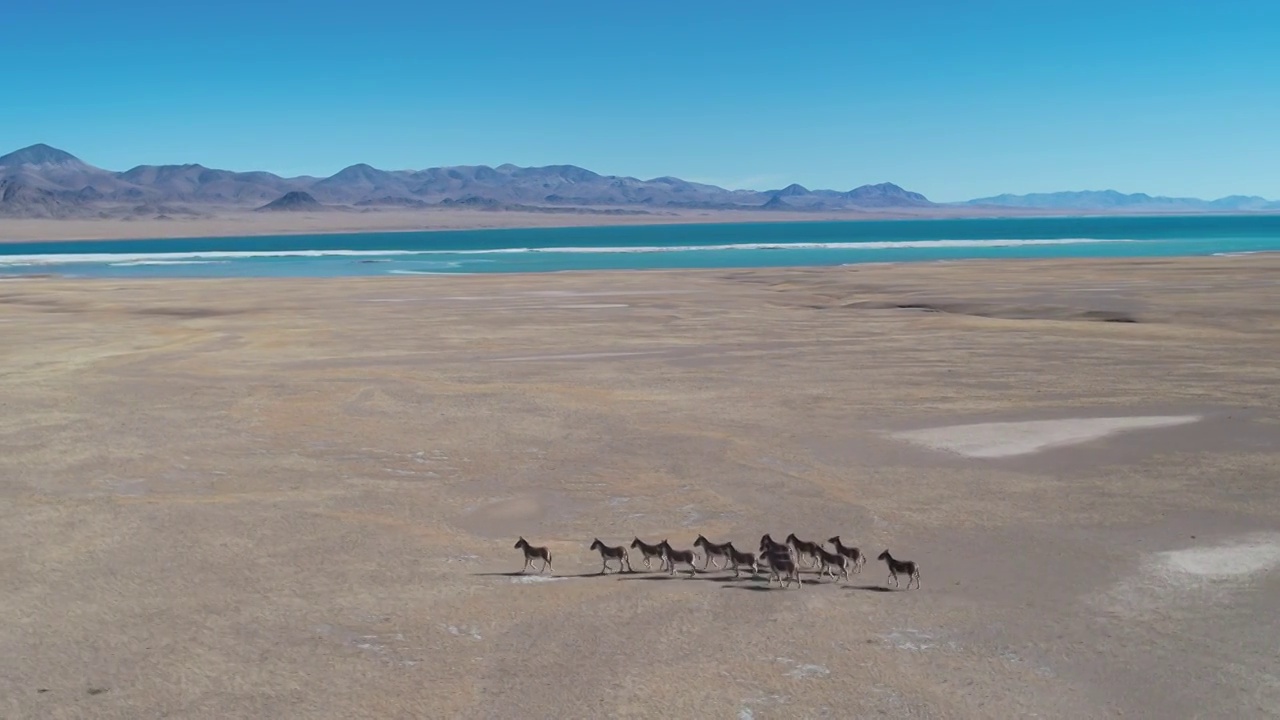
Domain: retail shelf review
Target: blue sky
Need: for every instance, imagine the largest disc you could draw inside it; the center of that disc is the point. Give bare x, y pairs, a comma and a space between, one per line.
953, 99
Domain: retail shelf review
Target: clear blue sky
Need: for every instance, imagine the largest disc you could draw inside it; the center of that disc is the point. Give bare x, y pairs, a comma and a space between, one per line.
950, 98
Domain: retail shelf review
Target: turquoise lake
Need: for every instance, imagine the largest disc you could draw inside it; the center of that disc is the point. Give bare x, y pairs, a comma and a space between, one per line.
647, 247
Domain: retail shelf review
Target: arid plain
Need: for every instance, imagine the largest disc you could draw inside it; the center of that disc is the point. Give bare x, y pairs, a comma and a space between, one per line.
239, 222
298, 498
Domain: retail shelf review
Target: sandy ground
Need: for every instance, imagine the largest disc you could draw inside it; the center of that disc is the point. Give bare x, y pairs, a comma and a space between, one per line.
237, 221
298, 499
227, 222
1006, 439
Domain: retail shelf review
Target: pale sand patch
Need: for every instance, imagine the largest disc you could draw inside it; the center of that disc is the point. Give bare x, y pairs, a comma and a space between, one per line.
580, 306
1246, 556
1205, 574
589, 306
1006, 439
577, 356
913, 640
804, 670
507, 510
602, 293
463, 631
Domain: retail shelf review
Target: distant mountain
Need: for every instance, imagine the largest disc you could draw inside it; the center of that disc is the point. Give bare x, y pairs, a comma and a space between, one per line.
792, 190
22, 200
361, 182
292, 201
776, 203
1244, 203
69, 179
884, 195
40, 155
1113, 200
43, 181
393, 201
196, 183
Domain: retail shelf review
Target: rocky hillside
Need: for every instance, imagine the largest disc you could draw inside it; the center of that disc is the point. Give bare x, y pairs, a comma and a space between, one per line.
41, 181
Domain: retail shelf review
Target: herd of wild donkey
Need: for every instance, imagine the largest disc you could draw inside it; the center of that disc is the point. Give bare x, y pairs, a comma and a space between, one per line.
783, 559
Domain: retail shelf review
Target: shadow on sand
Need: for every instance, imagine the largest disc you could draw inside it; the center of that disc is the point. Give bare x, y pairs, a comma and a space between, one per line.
517, 573
770, 586
744, 582
752, 588
870, 588
707, 576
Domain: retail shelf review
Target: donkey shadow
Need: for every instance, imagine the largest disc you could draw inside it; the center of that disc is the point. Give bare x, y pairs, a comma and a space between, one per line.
871, 588
517, 573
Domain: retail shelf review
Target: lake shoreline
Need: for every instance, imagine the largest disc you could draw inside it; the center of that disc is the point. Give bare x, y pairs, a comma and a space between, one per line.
692, 246
240, 222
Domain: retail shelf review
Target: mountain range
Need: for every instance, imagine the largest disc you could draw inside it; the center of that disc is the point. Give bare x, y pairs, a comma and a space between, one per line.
1113, 200
42, 181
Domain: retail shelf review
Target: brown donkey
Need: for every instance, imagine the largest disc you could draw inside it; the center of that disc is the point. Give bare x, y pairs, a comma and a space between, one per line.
804, 548
531, 552
684, 557
770, 548
712, 550
739, 559
649, 552
901, 567
782, 566
768, 544
828, 560
853, 553
617, 554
